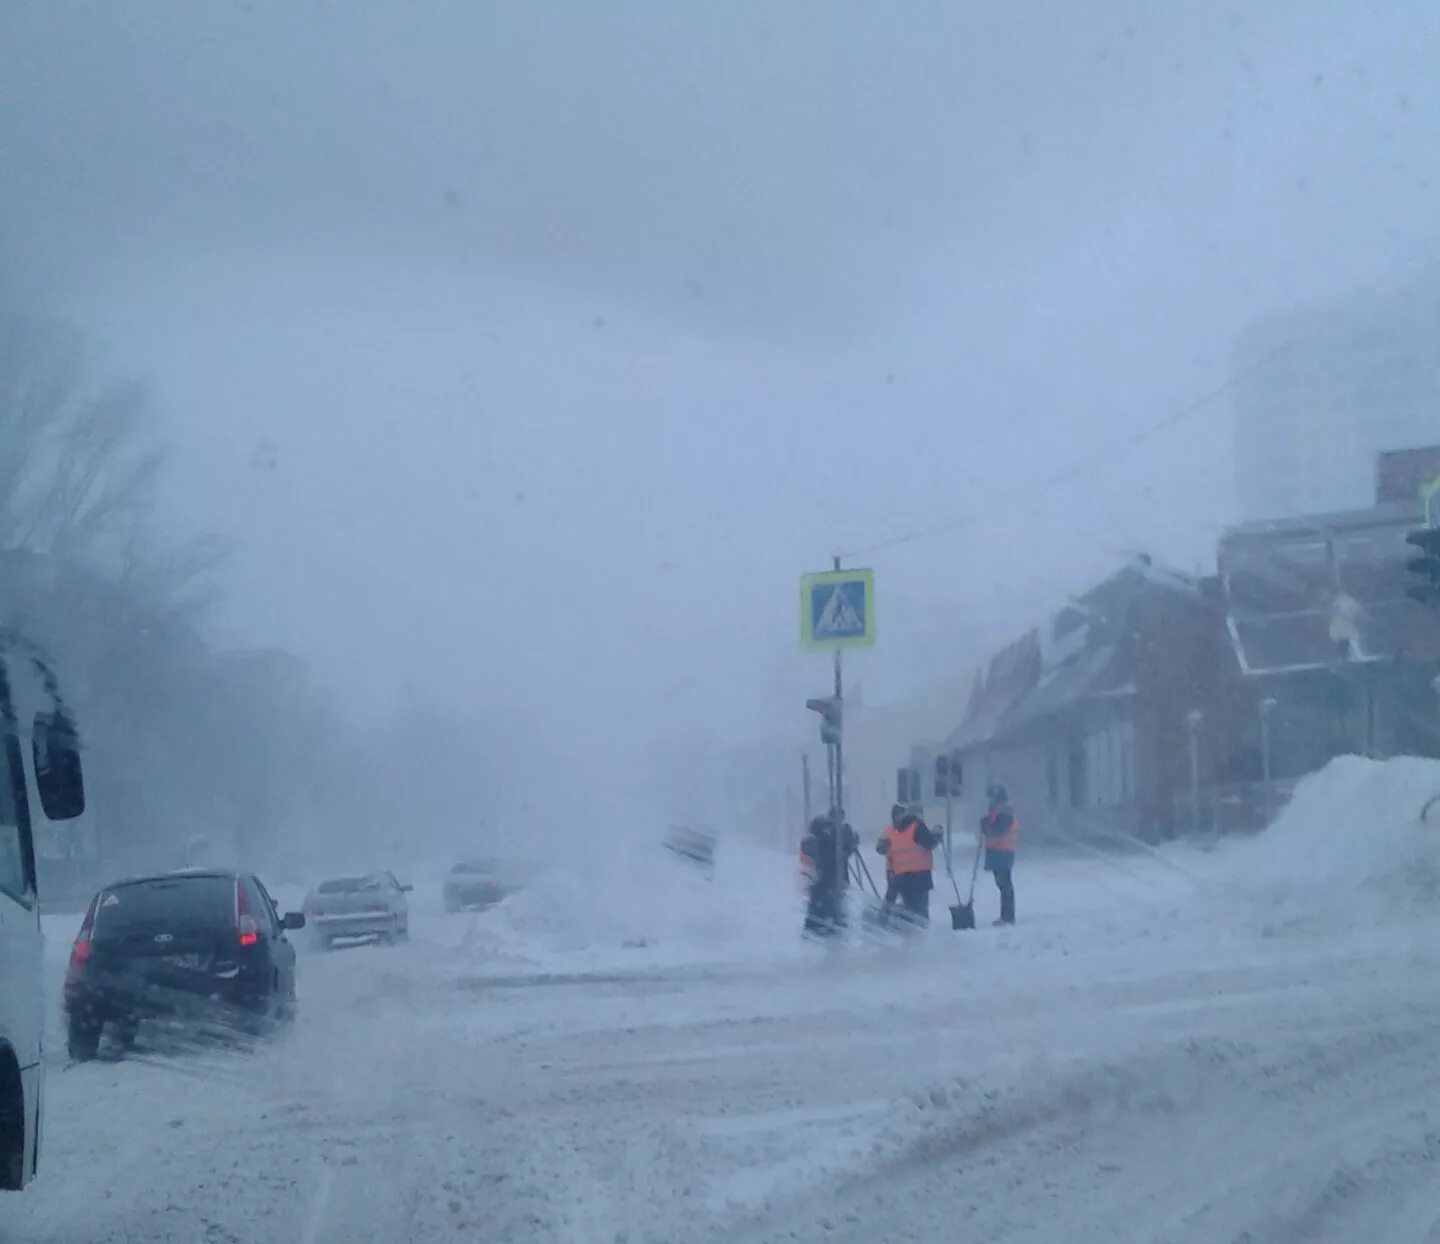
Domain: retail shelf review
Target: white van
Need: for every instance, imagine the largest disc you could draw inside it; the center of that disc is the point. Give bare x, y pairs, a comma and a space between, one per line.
40, 781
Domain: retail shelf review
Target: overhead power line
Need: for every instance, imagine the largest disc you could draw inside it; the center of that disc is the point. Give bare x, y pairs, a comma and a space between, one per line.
1112, 454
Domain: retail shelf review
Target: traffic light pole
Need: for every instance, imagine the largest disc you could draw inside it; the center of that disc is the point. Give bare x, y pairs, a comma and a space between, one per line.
805, 792
949, 813
842, 877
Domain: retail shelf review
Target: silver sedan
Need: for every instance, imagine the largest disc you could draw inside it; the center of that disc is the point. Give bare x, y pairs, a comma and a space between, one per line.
370, 906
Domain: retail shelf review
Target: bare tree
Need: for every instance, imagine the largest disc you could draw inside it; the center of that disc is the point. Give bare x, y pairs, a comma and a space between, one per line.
77, 470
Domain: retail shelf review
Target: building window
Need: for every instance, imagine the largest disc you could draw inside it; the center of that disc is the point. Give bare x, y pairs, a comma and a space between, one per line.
1109, 765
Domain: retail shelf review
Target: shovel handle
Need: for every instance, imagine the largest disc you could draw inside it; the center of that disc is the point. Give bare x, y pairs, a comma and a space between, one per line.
975, 871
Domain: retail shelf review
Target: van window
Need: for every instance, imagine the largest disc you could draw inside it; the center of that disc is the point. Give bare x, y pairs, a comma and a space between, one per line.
17, 851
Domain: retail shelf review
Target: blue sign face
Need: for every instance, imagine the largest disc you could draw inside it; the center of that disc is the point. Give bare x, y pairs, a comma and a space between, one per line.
837, 610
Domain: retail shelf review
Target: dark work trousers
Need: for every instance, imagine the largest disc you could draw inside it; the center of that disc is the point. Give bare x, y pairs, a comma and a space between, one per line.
1006, 886
915, 895
823, 916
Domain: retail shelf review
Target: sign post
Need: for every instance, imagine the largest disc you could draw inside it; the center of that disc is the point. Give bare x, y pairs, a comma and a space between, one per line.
837, 611
805, 793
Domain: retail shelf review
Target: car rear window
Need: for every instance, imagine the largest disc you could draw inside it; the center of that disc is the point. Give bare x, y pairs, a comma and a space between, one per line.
341, 885
171, 902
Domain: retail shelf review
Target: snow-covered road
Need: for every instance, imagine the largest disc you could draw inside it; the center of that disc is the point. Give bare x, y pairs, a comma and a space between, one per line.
1144, 1059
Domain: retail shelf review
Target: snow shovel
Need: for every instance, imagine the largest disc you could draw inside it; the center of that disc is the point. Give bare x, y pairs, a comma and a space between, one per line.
876, 913
962, 915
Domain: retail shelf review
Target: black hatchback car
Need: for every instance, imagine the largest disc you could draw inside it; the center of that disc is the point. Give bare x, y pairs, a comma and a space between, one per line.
198, 944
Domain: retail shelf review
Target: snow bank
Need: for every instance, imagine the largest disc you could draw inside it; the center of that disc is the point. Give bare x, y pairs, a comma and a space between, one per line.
1351, 843
641, 905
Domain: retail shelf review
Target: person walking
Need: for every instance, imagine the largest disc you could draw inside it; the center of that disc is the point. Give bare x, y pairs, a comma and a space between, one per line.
908, 845
1000, 832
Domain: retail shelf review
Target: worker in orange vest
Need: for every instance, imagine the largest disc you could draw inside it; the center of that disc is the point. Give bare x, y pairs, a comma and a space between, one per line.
908, 845
1000, 832
892, 890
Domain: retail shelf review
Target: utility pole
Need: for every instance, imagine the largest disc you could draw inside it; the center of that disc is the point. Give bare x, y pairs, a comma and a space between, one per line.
1267, 706
1192, 722
805, 791
837, 611
837, 806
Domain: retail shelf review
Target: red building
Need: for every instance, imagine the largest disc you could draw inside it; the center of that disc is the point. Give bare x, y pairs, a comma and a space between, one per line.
1158, 703
1089, 719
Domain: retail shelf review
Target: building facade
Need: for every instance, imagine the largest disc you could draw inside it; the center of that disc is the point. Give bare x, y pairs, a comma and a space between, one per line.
1089, 719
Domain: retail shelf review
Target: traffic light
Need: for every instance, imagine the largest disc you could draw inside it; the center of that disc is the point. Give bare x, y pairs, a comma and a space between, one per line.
907, 786
949, 775
830, 712
1426, 568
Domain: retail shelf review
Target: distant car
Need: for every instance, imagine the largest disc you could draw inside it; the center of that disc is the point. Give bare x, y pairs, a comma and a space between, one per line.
695, 846
475, 883
197, 944
371, 906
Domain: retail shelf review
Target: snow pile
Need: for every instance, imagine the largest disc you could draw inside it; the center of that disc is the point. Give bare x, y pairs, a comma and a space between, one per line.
1351, 844
641, 904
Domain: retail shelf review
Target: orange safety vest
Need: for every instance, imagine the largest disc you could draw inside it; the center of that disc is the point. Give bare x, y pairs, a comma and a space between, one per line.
807, 864
904, 854
885, 835
1007, 841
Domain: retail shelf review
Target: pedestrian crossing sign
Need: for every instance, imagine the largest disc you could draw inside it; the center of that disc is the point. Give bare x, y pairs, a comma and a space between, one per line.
837, 610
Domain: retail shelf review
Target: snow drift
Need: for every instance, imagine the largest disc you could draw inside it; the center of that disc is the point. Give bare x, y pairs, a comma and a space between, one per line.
640, 904
1352, 839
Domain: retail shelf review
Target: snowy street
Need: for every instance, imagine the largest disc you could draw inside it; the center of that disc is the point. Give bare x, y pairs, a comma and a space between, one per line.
553, 555
1141, 1059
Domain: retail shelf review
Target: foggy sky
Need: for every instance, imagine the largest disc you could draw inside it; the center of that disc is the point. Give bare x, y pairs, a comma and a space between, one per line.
530, 351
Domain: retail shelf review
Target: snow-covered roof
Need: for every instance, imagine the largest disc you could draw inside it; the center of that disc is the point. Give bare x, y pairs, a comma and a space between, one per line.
1309, 594
1078, 653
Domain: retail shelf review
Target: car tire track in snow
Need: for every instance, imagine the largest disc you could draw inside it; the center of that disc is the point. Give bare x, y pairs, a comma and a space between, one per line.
319, 1205
1161, 1073
1322, 1135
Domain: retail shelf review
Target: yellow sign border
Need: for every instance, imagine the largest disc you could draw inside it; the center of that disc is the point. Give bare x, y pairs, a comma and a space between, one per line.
819, 577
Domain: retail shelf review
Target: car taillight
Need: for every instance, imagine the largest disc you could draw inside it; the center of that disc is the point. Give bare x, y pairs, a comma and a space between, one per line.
80, 952
244, 921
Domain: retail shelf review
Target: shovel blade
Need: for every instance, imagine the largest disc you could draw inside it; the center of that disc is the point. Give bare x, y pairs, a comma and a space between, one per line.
962, 916
874, 916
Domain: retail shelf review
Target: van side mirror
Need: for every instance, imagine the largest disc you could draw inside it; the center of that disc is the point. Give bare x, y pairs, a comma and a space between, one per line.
55, 747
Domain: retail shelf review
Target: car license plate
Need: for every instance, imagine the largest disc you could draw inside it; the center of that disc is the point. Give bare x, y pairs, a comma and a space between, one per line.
183, 961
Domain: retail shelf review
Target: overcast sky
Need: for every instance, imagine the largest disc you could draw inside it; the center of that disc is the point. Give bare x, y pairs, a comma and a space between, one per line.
534, 349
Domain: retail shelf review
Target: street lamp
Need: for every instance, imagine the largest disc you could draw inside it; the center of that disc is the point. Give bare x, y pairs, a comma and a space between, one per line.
1267, 706
1193, 720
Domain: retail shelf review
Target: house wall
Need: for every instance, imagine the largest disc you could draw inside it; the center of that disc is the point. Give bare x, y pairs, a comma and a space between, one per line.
1118, 761
1183, 661
1021, 765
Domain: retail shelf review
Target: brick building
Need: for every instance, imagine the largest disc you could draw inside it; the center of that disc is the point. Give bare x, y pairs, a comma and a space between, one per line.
1088, 719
